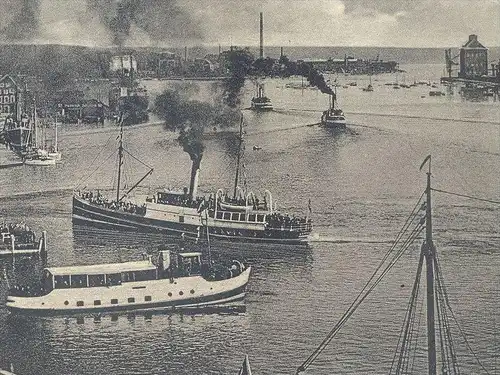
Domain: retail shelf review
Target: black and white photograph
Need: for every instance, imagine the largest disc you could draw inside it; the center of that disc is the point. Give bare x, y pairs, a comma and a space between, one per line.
238, 187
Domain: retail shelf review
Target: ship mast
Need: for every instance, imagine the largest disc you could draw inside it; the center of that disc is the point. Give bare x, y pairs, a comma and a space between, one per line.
429, 251
236, 178
120, 160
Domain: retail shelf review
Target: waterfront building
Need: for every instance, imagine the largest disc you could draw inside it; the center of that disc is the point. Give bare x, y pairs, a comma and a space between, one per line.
473, 59
123, 64
12, 97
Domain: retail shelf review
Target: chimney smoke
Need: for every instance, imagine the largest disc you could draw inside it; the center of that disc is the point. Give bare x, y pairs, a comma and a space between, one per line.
261, 35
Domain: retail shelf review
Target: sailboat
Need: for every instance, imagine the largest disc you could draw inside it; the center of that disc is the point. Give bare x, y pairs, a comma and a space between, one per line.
369, 88
53, 152
179, 214
333, 117
38, 156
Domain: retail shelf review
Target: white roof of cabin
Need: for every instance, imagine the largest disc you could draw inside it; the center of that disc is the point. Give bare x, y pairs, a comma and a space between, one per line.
190, 255
99, 269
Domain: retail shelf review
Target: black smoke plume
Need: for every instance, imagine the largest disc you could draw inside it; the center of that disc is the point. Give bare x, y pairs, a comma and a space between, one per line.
239, 64
314, 78
191, 118
19, 19
161, 20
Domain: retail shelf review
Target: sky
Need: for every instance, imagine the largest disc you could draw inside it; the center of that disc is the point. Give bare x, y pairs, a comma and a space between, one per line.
379, 23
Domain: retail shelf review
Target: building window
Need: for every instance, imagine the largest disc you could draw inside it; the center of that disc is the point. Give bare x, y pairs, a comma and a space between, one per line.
97, 302
114, 301
12, 99
131, 300
147, 298
6, 109
1, 99
6, 99
79, 303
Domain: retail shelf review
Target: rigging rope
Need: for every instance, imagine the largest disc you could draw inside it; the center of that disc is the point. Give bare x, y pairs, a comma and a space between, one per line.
362, 294
448, 305
93, 161
465, 196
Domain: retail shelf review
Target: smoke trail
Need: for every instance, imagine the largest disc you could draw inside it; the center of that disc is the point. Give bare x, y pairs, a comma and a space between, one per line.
161, 20
19, 19
191, 118
315, 78
239, 63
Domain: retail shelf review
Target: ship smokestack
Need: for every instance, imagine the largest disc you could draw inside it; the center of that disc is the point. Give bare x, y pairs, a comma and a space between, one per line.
261, 35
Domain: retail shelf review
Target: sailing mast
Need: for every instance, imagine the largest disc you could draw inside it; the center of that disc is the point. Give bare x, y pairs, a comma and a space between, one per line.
120, 160
236, 178
429, 253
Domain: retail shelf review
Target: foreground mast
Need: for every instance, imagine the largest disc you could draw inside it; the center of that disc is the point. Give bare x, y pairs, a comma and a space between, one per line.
120, 160
429, 252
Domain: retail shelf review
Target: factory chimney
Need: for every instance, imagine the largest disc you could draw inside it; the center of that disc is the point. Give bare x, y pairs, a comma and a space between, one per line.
261, 35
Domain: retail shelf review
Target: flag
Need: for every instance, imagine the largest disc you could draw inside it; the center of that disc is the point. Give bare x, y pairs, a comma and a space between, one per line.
245, 367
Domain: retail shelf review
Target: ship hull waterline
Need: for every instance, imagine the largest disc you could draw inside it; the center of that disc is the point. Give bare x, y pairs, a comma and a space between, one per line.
209, 295
87, 214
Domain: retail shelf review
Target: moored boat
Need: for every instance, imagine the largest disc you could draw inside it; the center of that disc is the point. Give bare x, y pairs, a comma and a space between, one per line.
175, 281
19, 239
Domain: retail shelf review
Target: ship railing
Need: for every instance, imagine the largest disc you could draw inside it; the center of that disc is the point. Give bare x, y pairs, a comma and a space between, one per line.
26, 291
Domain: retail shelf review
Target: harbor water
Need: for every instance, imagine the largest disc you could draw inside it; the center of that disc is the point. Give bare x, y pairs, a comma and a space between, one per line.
362, 184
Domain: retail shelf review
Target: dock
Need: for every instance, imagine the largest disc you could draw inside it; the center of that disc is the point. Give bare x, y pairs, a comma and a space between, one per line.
9, 158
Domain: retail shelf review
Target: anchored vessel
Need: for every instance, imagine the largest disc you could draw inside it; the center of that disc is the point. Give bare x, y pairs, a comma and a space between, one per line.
19, 239
261, 102
333, 117
243, 219
177, 280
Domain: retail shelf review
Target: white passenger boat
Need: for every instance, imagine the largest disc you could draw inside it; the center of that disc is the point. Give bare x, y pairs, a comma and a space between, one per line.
180, 280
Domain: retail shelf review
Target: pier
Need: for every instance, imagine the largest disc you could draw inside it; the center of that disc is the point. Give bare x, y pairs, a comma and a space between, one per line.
9, 159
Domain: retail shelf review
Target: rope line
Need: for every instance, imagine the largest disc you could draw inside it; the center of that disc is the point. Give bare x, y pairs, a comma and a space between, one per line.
466, 196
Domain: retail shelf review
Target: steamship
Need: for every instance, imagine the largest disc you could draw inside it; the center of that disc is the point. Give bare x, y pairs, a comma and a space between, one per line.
127, 100
183, 214
261, 102
175, 281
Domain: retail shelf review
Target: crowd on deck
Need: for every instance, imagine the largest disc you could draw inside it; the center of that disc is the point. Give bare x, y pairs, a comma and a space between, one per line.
22, 233
277, 220
99, 200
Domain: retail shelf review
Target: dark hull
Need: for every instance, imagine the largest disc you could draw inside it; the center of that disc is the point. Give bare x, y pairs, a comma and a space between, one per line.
17, 138
198, 303
96, 216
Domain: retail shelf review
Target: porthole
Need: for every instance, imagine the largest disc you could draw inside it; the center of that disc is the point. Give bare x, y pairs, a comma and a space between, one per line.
131, 300
66, 303
114, 301
79, 303
170, 294
192, 291
181, 293
147, 298
97, 302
